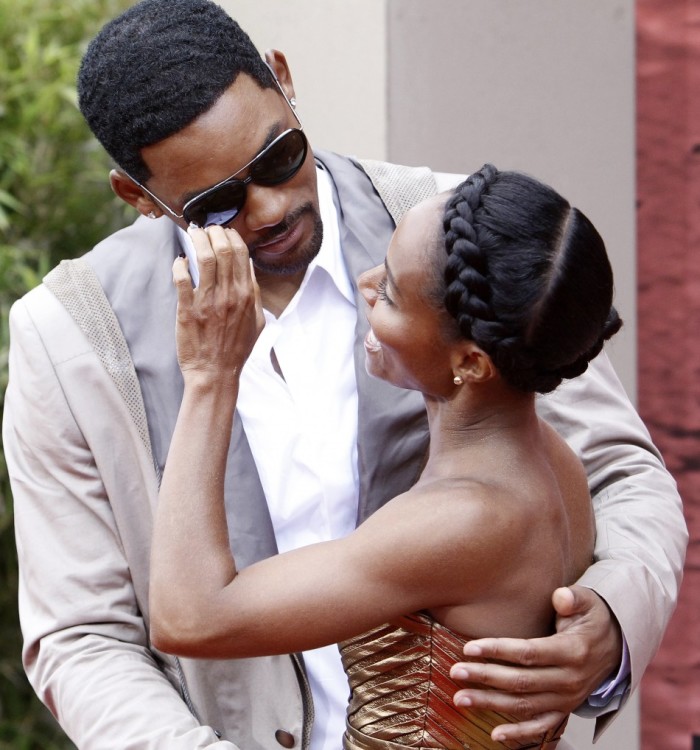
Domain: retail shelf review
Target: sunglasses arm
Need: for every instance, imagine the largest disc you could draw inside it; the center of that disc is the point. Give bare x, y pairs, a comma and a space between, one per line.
284, 95
154, 196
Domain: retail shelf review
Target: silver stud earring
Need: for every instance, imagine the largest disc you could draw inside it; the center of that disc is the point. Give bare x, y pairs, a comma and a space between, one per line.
457, 380
151, 215
293, 103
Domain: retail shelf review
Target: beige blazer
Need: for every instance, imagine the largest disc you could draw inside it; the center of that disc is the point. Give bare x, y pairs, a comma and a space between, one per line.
85, 476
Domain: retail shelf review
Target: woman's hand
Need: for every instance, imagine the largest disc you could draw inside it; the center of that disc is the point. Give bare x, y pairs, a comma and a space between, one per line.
219, 321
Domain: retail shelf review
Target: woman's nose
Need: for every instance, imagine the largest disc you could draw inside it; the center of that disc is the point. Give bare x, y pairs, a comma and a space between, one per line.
367, 284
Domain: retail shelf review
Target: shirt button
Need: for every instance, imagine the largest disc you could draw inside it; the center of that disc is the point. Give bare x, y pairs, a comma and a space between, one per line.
286, 739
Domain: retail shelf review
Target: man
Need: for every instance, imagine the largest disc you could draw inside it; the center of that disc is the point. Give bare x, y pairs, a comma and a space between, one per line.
202, 130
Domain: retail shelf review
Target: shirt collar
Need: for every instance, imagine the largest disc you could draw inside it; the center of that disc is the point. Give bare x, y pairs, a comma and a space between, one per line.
330, 257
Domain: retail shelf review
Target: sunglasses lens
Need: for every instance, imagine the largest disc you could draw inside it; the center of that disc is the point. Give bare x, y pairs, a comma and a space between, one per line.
220, 206
281, 160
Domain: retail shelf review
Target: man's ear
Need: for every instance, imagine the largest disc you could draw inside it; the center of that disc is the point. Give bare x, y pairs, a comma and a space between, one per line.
472, 364
278, 62
126, 189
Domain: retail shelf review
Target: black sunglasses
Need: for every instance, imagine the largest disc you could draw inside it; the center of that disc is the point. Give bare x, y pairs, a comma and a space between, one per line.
278, 162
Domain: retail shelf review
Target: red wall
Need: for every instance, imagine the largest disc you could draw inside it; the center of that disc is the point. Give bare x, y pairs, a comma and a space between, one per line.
668, 237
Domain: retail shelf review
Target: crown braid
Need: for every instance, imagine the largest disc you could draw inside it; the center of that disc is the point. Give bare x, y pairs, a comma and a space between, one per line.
533, 295
468, 286
467, 292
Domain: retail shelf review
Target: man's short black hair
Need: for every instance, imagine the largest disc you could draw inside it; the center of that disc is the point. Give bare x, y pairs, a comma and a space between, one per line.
157, 67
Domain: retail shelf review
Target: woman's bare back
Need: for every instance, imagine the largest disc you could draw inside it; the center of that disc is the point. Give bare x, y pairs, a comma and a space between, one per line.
535, 529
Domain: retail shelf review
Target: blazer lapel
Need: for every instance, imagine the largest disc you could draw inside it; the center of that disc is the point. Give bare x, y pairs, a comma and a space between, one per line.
392, 427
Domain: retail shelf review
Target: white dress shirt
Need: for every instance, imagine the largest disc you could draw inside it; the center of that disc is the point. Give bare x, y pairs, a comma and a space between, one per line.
302, 430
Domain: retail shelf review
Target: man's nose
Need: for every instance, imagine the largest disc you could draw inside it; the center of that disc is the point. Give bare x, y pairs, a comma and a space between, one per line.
265, 207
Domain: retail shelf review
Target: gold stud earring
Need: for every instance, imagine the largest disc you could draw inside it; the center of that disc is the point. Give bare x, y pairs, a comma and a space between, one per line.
457, 380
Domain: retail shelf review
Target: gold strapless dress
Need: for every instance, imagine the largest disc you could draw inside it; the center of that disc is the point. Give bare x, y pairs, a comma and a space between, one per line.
401, 691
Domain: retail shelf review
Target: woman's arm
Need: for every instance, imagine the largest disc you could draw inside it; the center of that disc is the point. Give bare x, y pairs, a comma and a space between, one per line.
217, 325
405, 557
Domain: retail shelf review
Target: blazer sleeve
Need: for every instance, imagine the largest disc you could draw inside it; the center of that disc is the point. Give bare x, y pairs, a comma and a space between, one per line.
641, 532
85, 643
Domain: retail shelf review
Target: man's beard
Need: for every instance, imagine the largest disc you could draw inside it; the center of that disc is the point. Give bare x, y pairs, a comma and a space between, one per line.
303, 254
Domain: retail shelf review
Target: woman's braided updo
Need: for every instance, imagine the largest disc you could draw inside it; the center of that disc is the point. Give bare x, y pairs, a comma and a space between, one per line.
527, 278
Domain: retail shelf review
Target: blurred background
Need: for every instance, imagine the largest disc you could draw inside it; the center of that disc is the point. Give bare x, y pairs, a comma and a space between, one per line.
594, 98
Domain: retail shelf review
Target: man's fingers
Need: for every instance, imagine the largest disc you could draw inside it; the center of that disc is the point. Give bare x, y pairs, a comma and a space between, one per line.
527, 685
519, 706
534, 680
531, 652
535, 718
564, 601
510, 680
549, 725
574, 600
523, 707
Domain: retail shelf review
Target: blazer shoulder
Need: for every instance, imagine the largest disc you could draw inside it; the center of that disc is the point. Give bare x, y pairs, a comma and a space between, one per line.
39, 319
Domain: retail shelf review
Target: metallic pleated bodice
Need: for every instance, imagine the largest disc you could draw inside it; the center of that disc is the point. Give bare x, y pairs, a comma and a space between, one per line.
401, 691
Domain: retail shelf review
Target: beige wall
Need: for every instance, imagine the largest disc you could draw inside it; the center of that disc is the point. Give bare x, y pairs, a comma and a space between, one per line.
337, 52
545, 86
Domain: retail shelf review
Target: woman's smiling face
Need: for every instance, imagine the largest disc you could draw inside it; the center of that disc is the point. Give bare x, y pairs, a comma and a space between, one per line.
407, 344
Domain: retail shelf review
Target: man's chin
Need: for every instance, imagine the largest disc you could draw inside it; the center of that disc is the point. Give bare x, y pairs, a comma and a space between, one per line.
297, 259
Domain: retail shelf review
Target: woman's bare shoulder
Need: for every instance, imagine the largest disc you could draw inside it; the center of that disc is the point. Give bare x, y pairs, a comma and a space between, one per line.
449, 533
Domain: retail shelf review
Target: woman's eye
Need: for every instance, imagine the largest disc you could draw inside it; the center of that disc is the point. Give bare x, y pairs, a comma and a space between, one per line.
381, 292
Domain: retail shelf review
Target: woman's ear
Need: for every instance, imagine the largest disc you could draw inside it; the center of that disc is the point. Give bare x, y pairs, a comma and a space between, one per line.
471, 364
126, 189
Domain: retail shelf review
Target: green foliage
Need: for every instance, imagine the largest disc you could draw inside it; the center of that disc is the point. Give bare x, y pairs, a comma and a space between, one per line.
55, 202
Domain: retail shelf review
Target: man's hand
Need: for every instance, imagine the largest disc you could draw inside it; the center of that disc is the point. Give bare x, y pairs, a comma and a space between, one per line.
544, 678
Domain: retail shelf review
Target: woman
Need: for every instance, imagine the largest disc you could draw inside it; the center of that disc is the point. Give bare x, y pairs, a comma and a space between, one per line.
488, 296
